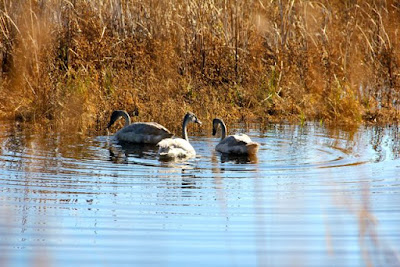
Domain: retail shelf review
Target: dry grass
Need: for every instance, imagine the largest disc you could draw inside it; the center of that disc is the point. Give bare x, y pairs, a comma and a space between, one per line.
73, 62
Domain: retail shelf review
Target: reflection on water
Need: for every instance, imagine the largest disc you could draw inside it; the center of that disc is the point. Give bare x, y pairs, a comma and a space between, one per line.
238, 159
313, 195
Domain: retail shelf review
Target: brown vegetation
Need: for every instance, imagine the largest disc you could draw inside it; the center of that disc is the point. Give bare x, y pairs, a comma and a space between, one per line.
76, 61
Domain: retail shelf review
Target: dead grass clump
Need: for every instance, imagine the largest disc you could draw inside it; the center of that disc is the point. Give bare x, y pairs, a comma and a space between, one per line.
78, 60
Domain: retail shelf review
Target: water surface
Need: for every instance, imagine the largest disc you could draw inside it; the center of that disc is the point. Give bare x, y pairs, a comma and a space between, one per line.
314, 196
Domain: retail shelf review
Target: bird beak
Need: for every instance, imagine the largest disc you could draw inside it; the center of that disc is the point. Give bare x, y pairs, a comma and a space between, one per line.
198, 121
214, 131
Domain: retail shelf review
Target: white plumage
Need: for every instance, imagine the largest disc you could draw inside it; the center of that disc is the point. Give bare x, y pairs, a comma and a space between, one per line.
178, 148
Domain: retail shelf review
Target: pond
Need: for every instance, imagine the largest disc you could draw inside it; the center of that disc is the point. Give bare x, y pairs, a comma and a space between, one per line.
313, 196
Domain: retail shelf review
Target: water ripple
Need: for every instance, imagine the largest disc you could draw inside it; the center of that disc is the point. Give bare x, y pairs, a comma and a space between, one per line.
316, 194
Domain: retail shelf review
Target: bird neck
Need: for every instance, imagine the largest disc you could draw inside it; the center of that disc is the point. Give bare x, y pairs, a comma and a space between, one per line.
223, 129
184, 125
126, 117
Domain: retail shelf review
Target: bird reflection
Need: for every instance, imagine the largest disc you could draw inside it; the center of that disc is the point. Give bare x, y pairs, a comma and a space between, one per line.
238, 159
120, 153
188, 181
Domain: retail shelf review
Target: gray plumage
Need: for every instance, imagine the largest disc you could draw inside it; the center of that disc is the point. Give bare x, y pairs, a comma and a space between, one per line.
139, 132
233, 144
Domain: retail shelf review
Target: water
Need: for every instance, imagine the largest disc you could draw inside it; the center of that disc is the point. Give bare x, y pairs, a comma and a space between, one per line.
314, 196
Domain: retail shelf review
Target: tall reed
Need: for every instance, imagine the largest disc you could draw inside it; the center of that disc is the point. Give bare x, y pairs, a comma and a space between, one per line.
75, 61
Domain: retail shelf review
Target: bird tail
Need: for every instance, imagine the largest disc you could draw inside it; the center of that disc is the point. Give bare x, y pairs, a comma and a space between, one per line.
162, 152
163, 148
252, 148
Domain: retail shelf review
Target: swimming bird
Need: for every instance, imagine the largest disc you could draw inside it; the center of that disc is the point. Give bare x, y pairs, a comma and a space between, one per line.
234, 144
175, 148
138, 132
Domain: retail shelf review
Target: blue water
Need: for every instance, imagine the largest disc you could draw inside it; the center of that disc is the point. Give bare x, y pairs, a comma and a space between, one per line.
313, 196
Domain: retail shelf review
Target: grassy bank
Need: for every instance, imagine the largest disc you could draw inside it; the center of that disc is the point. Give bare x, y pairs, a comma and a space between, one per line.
73, 62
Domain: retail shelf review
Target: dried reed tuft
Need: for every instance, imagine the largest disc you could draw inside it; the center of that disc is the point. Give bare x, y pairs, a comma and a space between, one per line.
75, 61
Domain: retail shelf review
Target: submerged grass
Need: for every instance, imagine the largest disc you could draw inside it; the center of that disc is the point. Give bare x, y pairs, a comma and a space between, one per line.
73, 62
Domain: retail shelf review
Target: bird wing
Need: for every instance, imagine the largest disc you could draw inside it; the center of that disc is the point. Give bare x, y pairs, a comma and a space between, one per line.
236, 140
237, 144
177, 147
149, 128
